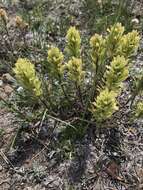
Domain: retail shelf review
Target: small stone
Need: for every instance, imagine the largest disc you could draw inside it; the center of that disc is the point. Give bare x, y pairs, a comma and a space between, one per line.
3, 95
1, 168
8, 90
135, 21
28, 188
1, 83
7, 78
20, 89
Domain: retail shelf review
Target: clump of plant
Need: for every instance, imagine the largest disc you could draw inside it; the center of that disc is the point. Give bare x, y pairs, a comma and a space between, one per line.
68, 88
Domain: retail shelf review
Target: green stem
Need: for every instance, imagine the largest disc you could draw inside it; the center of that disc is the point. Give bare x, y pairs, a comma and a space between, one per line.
15, 137
79, 94
63, 89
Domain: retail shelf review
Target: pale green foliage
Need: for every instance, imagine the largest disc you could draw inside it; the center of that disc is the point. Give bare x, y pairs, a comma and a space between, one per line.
104, 106
55, 60
73, 42
97, 44
75, 71
116, 73
139, 110
26, 76
128, 44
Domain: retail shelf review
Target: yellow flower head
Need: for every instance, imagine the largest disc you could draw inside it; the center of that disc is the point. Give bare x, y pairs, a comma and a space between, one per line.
3, 14
104, 106
26, 76
116, 73
75, 71
97, 44
116, 31
73, 42
113, 38
129, 43
55, 59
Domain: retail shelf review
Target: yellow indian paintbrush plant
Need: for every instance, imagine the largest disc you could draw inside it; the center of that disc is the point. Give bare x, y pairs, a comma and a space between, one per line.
129, 43
94, 86
97, 44
73, 42
75, 71
55, 60
104, 105
116, 73
113, 38
26, 76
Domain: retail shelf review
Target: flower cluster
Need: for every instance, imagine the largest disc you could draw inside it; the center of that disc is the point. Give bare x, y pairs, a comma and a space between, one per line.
73, 42
97, 44
55, 59
116, 73
26, 76
116, 48
75, 71
128, 44
104, 106
113, 39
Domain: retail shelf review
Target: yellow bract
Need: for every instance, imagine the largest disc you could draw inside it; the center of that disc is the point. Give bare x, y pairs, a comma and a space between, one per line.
116, 73
26, 76
129, 43
75, 71
97, 44
55, 59
104, 106
113, 38
73, 42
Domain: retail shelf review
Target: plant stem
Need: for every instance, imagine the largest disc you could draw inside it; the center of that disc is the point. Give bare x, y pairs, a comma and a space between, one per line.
79, 94
63, 89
